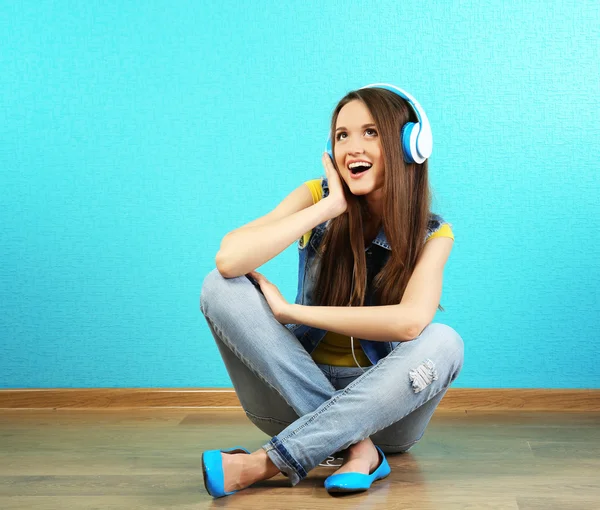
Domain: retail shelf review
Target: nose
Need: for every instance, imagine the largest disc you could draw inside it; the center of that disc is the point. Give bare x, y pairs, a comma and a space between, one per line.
355, 146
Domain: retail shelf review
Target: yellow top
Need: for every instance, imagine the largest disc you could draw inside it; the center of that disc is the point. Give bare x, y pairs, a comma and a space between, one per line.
335, 348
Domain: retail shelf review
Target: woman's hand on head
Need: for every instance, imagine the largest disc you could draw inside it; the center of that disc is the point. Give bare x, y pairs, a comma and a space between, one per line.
336, 190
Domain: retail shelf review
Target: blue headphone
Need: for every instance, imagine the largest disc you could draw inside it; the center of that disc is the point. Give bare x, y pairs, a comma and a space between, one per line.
416, 138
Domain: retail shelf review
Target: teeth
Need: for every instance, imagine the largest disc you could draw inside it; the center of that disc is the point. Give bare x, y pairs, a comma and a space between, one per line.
359, 163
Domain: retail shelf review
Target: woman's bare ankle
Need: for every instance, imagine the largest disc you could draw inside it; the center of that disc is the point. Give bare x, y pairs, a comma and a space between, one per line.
262, 466
241, 471
361, 457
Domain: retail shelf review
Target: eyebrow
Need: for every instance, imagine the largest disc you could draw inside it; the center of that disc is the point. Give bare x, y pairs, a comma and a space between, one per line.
364, 126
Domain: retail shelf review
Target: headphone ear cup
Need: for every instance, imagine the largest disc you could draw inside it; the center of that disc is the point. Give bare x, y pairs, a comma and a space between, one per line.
329, 148
410, 131
406, 135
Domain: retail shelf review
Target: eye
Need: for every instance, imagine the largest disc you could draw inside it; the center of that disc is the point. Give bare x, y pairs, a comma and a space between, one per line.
371, 131
338, 137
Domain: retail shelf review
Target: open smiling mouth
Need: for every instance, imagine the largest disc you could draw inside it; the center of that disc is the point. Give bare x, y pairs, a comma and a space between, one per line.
359, 168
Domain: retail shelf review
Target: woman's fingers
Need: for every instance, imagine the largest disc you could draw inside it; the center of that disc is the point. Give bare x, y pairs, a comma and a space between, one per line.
257, 276
327, 163
336, 190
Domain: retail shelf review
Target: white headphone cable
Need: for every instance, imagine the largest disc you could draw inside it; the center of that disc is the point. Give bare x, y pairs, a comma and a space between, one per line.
352, 338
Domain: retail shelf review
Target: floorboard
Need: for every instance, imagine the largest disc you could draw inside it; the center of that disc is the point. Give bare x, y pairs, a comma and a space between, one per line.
150, 459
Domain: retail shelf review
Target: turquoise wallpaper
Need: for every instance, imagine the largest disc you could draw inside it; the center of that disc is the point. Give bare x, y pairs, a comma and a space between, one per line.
135, 135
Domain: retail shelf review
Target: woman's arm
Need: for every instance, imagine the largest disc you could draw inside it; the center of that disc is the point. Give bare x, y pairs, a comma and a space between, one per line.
246, 248
250, 246
389, 323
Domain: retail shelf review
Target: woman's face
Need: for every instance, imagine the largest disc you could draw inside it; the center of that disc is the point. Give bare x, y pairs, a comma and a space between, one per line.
357, 141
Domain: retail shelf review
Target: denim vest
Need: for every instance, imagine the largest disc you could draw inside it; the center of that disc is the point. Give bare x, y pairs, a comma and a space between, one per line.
376, 255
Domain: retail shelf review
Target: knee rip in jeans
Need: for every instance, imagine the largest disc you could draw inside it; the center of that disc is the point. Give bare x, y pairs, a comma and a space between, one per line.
423, 375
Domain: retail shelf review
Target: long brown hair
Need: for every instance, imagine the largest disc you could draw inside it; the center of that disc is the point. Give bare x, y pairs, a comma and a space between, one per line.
406, 210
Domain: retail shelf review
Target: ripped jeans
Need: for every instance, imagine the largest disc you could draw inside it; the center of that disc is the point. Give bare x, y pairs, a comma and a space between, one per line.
313, 411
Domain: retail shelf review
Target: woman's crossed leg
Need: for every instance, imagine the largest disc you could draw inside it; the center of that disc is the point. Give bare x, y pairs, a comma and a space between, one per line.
289, 397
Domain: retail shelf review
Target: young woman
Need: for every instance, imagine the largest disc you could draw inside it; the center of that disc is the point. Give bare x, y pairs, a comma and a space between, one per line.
355, 364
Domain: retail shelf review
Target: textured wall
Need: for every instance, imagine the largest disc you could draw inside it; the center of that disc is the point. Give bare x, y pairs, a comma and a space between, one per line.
133, 136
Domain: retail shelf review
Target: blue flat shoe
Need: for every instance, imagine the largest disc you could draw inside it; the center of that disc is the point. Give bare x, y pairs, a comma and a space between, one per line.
354, 482
212, 471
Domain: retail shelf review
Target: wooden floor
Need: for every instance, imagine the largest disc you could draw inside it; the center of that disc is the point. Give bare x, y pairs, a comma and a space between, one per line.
151, 459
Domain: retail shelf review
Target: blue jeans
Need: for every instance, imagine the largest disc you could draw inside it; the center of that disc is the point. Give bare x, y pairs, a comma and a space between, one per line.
312, 411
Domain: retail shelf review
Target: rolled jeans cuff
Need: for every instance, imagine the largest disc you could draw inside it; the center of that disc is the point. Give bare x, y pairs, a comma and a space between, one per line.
284, 461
